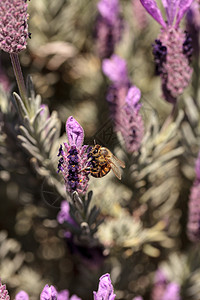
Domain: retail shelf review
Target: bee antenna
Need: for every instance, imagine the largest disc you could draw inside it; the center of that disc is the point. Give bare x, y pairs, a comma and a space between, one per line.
95, 142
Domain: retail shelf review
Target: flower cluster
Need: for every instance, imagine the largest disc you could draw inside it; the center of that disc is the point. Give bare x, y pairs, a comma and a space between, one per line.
108, 28
124, 103
193, 225
73, 158
13, 25
3, 292
105, 292
172, 49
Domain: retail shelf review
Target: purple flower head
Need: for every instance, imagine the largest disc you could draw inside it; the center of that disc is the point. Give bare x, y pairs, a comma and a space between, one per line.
116, 70
105, 290
109, 27
48, 293
3, 292
172, 50
109, 9
13, 25
73, 158
22, 295
172, 292
129, 121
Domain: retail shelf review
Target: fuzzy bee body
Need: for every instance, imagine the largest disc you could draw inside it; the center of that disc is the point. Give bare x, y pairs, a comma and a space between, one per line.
102, 161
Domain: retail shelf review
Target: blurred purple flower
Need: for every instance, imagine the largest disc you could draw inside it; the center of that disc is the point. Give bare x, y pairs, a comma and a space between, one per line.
64, 214
172, 292
172, 50
73, 158
124, 103
74, 297
22, 295
163, 289
109, 9
130, 122
105, 290
64, 295
138, 298
160, 284
3, 292
13, 25
48, 293
109, 27
116, 70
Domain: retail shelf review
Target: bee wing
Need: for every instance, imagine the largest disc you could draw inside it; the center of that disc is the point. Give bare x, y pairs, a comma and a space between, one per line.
117, 161
116, 170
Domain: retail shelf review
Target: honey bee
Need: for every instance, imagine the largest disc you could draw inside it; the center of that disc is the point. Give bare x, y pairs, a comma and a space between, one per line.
102, 161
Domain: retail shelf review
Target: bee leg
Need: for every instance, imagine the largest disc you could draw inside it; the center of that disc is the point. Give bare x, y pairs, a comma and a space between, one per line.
85, 170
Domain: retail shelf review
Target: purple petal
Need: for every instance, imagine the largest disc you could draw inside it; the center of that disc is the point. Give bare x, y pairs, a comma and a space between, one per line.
109, 9
172, 292
171, 9
105, 290
22, 295
48, 293
63, 295
138, 298
75, 132
184, 5
133, 97
115, 69
152, 8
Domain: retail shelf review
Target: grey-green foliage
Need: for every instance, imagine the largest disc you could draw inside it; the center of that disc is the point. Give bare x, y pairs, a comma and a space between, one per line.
87, 218
40, 134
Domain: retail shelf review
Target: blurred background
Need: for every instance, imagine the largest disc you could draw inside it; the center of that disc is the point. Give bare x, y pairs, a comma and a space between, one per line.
146, 213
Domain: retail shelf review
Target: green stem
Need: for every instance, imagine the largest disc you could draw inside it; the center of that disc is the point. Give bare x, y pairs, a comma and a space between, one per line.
19, 77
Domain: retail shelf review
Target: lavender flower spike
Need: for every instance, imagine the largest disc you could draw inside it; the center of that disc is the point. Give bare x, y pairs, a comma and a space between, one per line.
13, 25
172, 49
73, 158
22, 295
129, 121
109, 27
48, 293
3, 292
105, 290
